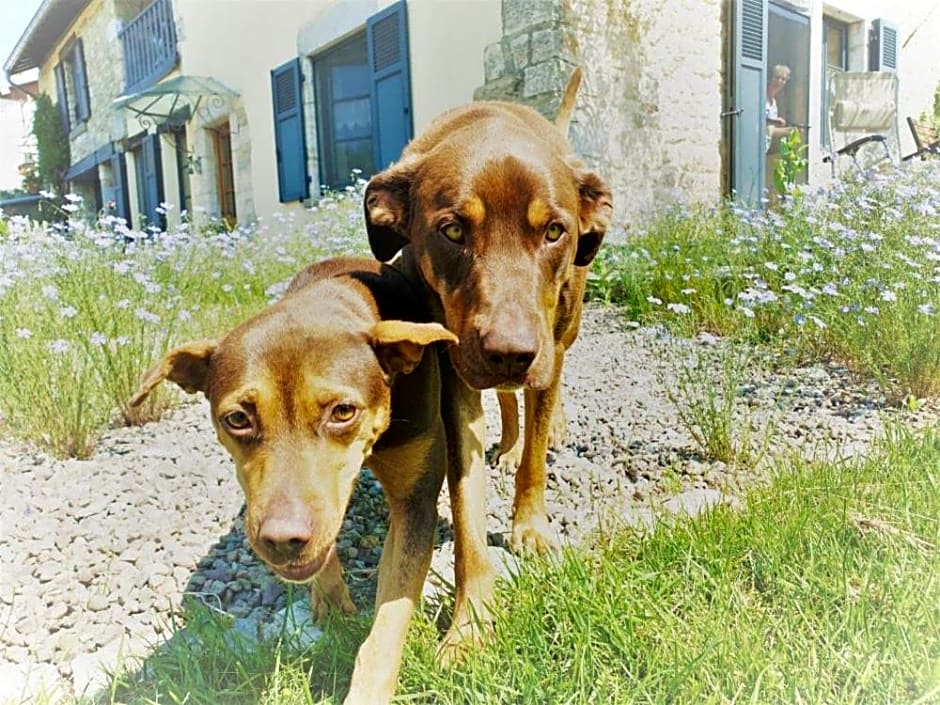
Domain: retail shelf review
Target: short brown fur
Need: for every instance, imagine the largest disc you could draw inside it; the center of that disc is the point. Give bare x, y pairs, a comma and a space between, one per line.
509, 287
301, 396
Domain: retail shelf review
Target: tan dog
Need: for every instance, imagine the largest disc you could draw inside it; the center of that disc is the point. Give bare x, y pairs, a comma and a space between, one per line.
497, 220
301, 396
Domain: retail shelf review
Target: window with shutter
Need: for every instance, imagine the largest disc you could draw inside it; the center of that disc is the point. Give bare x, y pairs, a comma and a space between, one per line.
80, 82
883, 46
289, 139
72, 85
387, 41
62, 96
344, 112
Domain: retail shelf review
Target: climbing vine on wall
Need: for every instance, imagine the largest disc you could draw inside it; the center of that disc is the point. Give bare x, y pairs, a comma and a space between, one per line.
52, 145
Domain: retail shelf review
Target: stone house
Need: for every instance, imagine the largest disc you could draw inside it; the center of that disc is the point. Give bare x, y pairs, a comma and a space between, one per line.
242, 109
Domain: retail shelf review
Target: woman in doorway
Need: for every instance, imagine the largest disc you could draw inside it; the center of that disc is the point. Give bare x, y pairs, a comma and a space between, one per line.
776, 125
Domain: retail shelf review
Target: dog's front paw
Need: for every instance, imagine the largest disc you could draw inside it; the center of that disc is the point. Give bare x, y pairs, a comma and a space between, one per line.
460, 640
330, 598
532, 535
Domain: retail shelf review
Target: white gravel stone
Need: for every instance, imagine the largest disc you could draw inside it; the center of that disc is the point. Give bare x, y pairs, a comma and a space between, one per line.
93, 549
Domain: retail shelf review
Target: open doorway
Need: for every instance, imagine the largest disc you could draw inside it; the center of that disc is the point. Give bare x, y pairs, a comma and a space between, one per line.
788, 45
225, 176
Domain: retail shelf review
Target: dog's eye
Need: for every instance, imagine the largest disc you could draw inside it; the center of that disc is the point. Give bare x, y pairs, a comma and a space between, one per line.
554, 232
343, 413
453, 232
237, 421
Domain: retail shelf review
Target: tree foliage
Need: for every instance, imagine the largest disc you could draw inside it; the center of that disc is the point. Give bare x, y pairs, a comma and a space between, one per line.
52, 145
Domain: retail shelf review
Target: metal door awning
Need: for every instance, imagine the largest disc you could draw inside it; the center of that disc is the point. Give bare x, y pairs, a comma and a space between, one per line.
176, 100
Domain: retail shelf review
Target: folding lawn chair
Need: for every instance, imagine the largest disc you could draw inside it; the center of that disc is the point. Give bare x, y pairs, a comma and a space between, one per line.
863, 120
926, 139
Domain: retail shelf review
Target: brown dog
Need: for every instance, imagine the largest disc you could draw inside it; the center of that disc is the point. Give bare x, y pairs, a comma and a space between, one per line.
329, 377
497, 220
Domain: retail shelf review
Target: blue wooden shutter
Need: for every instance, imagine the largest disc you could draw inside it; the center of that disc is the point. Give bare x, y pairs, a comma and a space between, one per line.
387, 41
62, 96
80, 82
151, 171
119, 189
883, 46
289, 140
749, 129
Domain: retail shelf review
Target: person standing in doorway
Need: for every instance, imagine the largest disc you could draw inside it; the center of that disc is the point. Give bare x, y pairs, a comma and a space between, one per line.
776, 125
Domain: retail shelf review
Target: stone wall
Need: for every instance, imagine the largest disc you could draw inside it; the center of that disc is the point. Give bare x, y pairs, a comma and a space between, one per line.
648, 109
104, 70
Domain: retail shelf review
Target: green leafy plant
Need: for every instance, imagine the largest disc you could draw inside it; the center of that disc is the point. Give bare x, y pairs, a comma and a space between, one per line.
792, 162
52, 145
703, 389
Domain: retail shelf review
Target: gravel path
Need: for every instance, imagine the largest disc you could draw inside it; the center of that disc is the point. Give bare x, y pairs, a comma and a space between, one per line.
96, 555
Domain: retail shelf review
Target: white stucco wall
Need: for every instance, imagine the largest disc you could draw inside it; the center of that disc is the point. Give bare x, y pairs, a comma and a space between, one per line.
15, 137
238, 43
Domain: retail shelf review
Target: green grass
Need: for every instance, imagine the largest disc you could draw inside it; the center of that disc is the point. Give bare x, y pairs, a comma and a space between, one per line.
825, 588
852, 273
84, 313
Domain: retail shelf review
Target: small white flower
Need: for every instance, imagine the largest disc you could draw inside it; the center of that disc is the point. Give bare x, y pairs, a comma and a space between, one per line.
98, 338
772, 266
68, 312
927, 309
184, 315
678, 308
830, 289
58, 346
227, 288
122, 340
872, 310
145, 315
820, 323
748, 313
50, 292
888, 295
24, 333
123, 303
653, 300
73, 197
688, 292
69, 207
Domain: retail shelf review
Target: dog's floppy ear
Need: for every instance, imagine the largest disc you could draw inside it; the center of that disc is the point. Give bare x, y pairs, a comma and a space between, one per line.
595, 211
187, 366
387, 206
399, 345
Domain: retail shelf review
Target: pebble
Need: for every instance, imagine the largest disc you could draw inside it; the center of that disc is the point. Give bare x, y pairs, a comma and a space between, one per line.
97, 556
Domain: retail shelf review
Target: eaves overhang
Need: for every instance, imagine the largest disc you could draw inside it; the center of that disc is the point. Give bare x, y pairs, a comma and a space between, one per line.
50, 23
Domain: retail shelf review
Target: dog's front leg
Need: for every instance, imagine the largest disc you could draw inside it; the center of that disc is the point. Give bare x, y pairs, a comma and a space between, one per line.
474, 574
530, 529
403, 568
328, 591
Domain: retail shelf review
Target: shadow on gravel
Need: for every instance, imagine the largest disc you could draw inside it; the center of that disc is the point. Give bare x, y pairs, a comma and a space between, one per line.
232, 601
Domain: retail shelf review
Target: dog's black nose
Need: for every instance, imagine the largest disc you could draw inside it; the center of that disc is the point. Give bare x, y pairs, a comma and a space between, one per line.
511, 355
284, 538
